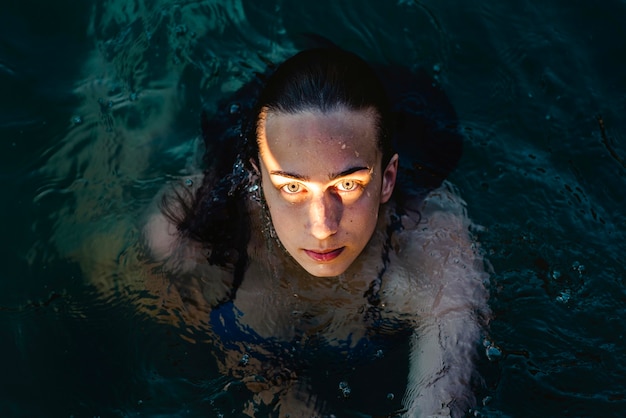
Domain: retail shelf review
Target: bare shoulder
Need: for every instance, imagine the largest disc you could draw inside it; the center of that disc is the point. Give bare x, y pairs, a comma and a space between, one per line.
165, 242
441, 217
439, 263
181, 259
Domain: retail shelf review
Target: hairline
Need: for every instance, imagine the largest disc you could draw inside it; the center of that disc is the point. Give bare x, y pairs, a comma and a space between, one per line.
337, 107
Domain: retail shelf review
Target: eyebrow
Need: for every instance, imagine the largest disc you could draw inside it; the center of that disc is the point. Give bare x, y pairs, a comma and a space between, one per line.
331, 176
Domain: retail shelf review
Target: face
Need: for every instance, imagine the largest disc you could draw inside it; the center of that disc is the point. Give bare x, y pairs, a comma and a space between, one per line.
323, 183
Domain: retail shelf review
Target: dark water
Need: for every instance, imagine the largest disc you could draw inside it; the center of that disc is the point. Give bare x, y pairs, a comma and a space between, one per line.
99, 107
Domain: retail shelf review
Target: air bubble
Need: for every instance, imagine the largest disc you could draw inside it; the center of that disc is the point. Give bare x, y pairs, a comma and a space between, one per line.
578, 267
245, 359
492, 351
344, 388
180, 30
564, 296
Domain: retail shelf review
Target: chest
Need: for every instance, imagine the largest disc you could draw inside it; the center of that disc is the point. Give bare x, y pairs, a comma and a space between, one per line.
288, 313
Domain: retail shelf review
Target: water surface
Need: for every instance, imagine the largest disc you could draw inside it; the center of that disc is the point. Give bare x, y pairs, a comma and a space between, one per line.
99, 107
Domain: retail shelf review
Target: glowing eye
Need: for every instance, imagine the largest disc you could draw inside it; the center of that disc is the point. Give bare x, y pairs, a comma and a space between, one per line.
292, 188
347, 185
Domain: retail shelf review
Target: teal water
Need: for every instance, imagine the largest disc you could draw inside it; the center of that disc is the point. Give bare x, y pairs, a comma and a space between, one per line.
99, 107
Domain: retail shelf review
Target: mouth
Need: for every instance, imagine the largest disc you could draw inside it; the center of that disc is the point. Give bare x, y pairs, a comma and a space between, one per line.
324, 256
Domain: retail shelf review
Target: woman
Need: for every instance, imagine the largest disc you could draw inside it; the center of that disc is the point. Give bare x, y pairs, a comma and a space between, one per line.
311, 248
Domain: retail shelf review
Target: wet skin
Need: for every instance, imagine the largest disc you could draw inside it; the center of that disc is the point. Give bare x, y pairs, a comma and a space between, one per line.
323, 183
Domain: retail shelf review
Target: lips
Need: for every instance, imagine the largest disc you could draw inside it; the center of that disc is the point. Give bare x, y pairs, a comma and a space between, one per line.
324, 256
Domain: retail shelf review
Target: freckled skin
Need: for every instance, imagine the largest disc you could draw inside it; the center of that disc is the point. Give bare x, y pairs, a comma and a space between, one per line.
323, 183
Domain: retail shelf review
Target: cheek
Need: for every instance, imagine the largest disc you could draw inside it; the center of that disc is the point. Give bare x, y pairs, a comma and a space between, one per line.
284, 220
363, 216
370, 202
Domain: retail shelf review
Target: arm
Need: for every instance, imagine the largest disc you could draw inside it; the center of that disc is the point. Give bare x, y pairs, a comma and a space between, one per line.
181, 275
453, 298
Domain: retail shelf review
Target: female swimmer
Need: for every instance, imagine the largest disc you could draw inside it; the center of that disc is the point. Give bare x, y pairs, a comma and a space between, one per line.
298, 239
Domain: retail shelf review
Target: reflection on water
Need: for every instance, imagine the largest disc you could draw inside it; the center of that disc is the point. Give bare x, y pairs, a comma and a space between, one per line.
98, 118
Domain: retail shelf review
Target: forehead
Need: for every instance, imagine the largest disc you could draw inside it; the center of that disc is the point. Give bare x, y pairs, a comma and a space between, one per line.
337, 138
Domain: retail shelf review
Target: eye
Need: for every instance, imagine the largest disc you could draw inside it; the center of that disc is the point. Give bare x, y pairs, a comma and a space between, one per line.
347, 185
292, 188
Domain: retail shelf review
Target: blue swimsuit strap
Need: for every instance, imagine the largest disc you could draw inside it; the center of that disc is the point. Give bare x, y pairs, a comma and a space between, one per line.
382, 333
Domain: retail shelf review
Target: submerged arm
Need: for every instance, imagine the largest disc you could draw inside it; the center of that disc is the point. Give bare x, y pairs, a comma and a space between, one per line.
453, 300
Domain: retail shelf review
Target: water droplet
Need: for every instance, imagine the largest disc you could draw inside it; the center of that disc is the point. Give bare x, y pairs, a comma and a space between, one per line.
244, 360
344, 388
180, 30
188, 182
580, 268
380, 354
493, 353
564, 296
390, 396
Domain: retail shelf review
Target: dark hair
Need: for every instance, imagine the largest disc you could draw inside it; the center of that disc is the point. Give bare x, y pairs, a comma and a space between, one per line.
325, 79
321, 79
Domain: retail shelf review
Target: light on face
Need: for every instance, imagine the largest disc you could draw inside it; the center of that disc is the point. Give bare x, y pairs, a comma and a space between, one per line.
323, 194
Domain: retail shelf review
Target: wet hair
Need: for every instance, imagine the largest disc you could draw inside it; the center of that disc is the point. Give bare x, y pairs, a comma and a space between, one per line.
322, 79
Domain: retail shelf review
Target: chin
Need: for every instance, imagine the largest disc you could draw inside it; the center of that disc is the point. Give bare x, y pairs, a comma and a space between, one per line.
325, 270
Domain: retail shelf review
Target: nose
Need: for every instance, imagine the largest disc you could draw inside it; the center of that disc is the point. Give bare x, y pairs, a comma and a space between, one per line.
325, 215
